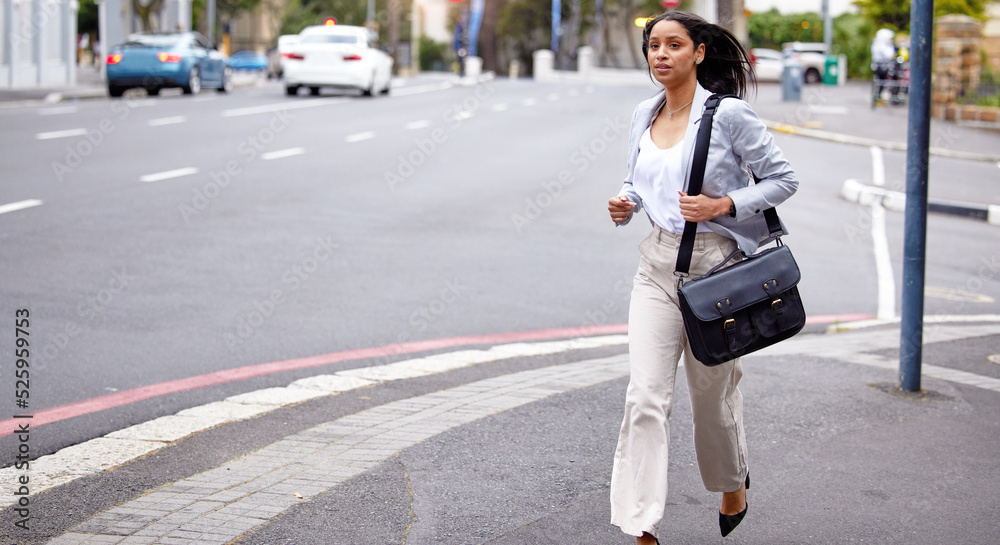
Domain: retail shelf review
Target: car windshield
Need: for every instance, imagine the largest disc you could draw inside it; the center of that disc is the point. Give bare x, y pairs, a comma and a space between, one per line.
330, 39
138, 40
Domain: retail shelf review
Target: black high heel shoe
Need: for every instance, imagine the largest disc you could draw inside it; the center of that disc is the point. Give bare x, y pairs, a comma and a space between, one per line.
728, 523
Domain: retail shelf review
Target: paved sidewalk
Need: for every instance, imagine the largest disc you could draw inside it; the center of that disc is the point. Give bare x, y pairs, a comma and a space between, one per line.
518, 450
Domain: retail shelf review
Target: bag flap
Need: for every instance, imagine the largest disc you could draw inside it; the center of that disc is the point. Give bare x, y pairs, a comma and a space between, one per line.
742, 283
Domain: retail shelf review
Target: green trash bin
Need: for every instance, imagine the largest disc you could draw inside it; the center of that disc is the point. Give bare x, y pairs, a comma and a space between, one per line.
831, 70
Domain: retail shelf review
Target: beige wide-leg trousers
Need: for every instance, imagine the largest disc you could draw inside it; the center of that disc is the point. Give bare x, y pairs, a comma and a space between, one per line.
656, 342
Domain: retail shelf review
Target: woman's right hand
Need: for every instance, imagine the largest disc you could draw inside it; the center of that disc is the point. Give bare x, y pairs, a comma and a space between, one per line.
620, 208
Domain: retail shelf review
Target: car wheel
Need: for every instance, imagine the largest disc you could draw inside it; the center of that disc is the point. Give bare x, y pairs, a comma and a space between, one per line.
388, 85
813, 76
115, 90
370, 91
227, 80
152, 91
291, 90
193, 86
314, 91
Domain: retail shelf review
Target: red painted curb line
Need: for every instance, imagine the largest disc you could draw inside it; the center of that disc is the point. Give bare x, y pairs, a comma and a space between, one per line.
124, 397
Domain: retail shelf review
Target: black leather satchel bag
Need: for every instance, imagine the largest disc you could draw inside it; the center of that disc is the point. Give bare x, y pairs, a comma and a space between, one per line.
733, 311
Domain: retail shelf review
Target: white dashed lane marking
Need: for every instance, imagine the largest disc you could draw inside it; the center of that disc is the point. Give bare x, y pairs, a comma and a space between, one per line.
170, 174
414, 125
20, 205
58, 110
281, 154
167, 121
359, 137
282, 106
60, 134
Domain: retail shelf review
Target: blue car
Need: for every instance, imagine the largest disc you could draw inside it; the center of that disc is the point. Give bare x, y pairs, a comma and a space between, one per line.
248, 60
156, 61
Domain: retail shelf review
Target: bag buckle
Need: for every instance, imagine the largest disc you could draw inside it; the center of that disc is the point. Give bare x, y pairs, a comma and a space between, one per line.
776, 305
729, 325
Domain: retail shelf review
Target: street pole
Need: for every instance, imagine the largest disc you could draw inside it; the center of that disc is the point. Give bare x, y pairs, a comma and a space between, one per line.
370, 20
915, 238
556, 23
827, 27
210, 25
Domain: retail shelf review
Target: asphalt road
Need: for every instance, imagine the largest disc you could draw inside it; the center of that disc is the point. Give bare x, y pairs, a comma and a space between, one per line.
179, 236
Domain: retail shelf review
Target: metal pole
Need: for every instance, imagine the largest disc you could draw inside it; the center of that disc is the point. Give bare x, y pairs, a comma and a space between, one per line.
210, 23
827, 28
915, 238
370, 20
556, 24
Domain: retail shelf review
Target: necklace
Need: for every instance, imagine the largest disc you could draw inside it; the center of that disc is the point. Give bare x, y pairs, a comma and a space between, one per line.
670, 113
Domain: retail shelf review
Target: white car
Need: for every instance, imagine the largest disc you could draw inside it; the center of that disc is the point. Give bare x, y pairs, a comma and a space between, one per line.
811, 56
339, 56
768, 64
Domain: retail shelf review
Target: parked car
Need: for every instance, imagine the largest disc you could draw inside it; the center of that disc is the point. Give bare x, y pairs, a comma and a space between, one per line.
248, 60
158, 60
812, 57
337, 56
767, 63
275, 65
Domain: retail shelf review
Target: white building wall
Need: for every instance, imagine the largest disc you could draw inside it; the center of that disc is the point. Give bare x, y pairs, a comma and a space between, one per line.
38, 43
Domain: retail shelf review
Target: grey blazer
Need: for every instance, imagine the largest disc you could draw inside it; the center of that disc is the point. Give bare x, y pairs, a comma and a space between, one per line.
739, 141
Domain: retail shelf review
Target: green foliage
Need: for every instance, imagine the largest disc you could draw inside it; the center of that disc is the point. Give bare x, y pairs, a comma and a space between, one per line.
896, 15
433, 54
86, 18
770, 29
852, 36
299, 14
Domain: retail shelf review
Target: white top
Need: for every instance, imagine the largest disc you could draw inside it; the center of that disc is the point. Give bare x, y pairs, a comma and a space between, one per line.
659, 175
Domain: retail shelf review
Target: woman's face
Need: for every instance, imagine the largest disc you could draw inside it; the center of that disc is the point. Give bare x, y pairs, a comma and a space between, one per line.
672, 56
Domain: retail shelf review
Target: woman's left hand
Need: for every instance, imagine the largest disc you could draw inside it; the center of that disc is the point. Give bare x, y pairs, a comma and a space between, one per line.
702, 207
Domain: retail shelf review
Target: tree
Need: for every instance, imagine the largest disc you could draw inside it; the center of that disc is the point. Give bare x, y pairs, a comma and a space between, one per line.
771, 29
896, 15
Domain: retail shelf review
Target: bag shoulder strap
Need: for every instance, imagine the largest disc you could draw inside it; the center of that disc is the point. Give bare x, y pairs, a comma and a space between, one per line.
696, 180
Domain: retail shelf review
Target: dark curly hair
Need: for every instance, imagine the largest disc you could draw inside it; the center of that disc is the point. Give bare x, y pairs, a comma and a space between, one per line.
726, 68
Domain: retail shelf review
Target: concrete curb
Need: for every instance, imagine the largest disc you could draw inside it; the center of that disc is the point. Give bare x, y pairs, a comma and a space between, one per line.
856, 192
868, 142
123, 446
95, 91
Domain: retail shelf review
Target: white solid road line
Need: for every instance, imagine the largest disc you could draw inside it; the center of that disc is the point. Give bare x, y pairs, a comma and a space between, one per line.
414, 125
20, 205
499, 107
60, 134
361, 136
282, 106
880, 242
167, 121
281, 154
529, 101
160, 176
